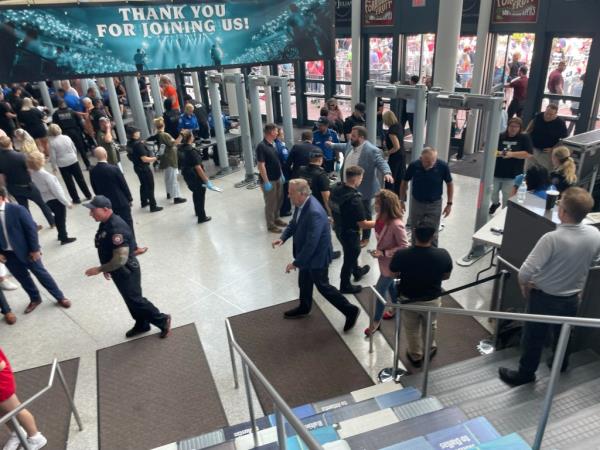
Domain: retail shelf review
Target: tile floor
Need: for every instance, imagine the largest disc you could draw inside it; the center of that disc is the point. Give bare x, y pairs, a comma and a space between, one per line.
198, 273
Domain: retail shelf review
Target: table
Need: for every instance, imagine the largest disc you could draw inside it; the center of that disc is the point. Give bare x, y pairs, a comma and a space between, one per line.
485, 236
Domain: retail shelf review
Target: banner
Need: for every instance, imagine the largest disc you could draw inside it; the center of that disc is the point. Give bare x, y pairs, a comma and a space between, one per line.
343, 13
515, 11
378, 13
71, 42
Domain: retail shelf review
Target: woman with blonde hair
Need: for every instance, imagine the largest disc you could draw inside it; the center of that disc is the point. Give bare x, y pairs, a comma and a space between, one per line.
394, 144
63, 156
32, 120
564, 174
23, 142
391, 237
168, 160
52, 194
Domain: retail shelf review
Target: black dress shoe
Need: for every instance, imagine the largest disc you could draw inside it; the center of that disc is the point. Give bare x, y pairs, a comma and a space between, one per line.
361, 272
351, 318
135, 331
336, 254
350, 289
168, 196
68, 240
493, 208
514, 377
144, 205
166, 329
156, 209
179, 200
415, 362
206, 219
295, 313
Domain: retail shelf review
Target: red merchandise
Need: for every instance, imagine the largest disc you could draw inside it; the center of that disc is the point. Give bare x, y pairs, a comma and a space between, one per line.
7, 380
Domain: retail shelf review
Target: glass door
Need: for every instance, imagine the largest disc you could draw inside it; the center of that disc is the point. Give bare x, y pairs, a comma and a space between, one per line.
419, 52
314, 93
288, 71
380, 58
343, 75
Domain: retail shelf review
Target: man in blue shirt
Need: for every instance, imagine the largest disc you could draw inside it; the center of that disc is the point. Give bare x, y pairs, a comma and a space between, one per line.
321, 136
428, 175
71, 100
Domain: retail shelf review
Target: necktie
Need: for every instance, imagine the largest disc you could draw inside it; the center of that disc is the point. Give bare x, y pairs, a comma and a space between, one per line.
296, 214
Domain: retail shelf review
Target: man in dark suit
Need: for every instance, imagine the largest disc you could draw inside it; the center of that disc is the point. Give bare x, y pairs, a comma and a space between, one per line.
20, 251
300, 154
108, 180
312, 254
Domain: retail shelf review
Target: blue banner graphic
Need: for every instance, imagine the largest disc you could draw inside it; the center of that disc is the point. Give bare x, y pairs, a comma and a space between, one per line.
76, 41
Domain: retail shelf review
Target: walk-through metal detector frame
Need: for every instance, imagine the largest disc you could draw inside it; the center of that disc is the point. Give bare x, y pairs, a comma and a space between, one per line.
376, 89
491, 106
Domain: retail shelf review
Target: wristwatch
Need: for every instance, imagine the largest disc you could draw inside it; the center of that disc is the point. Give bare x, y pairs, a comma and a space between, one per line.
448, 203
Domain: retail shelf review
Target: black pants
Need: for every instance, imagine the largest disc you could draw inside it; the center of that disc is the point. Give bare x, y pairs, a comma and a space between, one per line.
286, 205
73, 172
25, 193
76, 136
198, 196
144, 173
125, 214
397, 165
128, 280
350, 241
60, 217
534, 334
366, 234
515, 107
4, 306
329, 165
307, 278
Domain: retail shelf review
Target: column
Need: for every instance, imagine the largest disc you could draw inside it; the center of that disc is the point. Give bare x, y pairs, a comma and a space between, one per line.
114, 107
483, 28
84, 83
230, 93
136, 105
46, 96
196, 84
215, 104
448, 34
356, 51
156, 95
245, 127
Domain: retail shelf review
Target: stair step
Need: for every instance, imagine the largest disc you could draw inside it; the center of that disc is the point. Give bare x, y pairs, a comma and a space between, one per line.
407, 429
375, 391
460, 368
206, 440
418, 408
507, 398
464, 435
588, 444
509, 442
561, 434
565, 404
418, 443
366, 423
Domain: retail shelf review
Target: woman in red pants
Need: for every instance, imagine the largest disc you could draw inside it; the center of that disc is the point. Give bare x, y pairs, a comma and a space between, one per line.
8, 402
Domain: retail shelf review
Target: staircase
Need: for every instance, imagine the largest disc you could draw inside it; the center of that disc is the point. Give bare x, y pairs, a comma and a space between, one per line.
467, 407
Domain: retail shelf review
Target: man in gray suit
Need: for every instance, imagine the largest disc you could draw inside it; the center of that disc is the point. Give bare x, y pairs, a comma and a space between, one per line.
358, 151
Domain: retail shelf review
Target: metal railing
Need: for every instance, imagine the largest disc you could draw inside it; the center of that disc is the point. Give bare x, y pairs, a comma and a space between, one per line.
281, 408
12, 415
559, 354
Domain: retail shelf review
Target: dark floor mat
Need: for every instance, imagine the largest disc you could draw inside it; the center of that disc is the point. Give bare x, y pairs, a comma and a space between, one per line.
52, 411
457, 336
306, 360
469, 165
152, 392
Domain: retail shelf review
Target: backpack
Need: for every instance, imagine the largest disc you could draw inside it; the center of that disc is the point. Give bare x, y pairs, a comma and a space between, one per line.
338, 199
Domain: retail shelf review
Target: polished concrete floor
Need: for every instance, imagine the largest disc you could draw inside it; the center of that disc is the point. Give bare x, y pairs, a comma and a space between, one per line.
198, 273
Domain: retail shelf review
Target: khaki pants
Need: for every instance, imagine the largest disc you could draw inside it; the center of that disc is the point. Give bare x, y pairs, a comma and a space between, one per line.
414, 326
273, 200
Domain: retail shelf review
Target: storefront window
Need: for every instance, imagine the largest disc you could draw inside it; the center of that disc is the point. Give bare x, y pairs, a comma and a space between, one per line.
512, 52
343, 59
315, 70
380, 58
420, 49
286, 70
567, 66
465, 61
313, 107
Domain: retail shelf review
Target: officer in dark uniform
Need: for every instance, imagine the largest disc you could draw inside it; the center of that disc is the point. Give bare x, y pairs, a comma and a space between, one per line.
349, 218
71, 125
115, 244
142, 158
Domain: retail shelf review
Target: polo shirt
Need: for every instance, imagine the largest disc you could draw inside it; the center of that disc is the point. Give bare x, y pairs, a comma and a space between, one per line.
427, 185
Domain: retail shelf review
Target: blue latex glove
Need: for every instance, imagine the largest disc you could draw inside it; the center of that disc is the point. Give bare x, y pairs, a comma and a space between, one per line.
282, 179
209, 185
338, 166
267, 186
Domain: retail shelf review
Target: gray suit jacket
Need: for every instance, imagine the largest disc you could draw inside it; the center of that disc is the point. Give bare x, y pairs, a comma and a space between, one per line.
371, 160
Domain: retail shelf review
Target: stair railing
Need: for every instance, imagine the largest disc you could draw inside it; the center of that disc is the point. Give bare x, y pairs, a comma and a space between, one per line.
12, 416
559, 354
281, 408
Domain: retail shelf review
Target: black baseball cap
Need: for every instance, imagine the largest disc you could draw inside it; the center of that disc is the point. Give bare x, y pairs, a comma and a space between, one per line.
323, 121
360, 107
316, 153
99, 201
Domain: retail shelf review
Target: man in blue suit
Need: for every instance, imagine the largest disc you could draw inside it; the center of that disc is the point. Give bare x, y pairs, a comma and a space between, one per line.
20, 251
312, 252
358, 151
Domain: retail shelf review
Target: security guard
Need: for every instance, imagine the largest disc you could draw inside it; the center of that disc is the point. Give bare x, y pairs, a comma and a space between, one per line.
114, 241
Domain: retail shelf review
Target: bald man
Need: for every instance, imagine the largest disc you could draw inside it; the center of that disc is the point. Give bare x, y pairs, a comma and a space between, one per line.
108, 180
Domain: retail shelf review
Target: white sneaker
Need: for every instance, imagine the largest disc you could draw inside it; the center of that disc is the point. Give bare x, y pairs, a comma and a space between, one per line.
36, 442
7, 285
13, 442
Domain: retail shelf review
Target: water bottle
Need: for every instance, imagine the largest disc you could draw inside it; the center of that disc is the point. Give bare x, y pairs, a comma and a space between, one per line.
522, 192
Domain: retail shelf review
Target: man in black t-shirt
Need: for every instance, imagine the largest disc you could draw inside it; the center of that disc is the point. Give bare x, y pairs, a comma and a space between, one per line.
270, 172
546, 130
142, 158
317, 178
357, 118
421, 269
300, 154
350, 216
514, 147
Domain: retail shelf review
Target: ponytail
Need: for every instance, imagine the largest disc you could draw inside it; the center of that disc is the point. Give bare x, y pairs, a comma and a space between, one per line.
566, 164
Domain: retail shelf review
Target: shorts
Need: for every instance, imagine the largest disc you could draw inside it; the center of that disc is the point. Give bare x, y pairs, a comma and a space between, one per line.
7, 384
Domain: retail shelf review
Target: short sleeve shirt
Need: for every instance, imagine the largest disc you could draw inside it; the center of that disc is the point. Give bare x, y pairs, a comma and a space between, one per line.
113, 234
319, 139
511, 167
396, 131
519, 86
317, 179
267, 154
352, 208
139, 150
547, 134
555, 81
171, 92
427, 185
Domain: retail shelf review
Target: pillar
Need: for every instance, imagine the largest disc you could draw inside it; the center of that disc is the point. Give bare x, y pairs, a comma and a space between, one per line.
46, 96
356, 51
114, 107
156, 95
230, 93
136, 105
196, 84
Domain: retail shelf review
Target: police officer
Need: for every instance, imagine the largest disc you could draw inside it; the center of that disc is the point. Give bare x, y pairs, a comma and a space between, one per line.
115, 244
71, 125
142, 158
349, 218
321, 136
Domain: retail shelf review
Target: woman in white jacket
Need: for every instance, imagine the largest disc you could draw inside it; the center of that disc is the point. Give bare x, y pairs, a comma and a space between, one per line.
63, 155
52, 193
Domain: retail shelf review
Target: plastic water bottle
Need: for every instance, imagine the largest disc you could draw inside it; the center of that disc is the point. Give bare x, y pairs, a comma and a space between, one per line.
522, 192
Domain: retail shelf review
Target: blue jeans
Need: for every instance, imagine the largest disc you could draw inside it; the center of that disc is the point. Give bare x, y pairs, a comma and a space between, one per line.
384, 285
